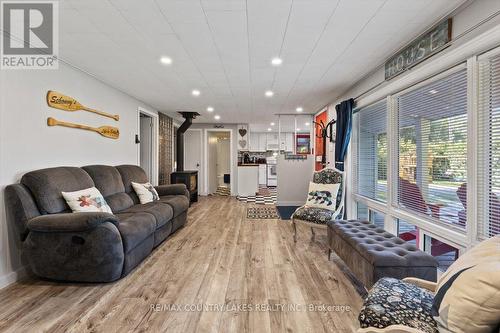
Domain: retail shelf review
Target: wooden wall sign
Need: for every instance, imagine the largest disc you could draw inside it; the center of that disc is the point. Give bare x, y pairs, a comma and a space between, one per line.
67, 103
106, 131
420, 49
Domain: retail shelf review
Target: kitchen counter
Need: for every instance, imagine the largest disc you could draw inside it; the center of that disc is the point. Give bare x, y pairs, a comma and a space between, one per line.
248, 179
248, 164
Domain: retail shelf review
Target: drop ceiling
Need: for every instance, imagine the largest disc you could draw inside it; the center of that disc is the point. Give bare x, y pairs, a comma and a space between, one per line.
223, 48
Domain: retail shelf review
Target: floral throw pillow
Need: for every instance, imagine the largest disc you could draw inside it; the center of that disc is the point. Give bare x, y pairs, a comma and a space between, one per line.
87, 200
146, 192
322, 195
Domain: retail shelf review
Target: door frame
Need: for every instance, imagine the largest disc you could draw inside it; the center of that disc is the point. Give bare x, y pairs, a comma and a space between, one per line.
155, 142
200, 170
231, 157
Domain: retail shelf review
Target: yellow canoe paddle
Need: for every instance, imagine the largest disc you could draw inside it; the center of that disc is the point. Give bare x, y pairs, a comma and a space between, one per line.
107, 131
67, 103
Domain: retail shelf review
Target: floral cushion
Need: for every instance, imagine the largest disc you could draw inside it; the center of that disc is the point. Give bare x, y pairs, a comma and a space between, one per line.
314, 215
394, 302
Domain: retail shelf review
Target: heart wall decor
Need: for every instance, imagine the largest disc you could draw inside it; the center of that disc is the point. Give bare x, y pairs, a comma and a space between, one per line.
243, 143
242, 132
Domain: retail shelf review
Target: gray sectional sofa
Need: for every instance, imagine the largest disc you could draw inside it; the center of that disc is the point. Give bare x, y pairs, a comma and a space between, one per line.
91, 247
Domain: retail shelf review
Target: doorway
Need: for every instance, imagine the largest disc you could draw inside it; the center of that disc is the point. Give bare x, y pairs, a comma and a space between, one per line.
219, 161
147, 140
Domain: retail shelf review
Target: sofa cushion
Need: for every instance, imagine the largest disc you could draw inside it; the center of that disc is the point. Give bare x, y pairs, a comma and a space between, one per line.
47, 186
135, 228
109, 181
468, 293
87, 200
129, 174
179, 203
314, 214
394, 302
161, 211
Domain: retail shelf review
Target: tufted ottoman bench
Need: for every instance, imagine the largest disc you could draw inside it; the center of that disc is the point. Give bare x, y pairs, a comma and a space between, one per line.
372, 253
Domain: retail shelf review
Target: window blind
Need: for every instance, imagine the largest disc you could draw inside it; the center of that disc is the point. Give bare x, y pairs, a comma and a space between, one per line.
371, 155
432, 149
489, 147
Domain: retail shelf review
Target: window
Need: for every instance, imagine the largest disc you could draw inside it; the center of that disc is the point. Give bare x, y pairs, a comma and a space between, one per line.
432, 149
371, 156
408, 232
445, 254
366, 214
489, 147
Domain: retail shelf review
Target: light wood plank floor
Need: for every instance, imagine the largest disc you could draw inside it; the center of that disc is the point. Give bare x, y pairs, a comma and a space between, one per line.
219, 257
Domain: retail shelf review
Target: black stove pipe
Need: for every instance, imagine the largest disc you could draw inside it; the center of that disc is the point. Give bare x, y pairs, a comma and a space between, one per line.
188, 116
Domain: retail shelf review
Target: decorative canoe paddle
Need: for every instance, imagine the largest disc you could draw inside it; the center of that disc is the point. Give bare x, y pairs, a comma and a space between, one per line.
107, 131
66, 103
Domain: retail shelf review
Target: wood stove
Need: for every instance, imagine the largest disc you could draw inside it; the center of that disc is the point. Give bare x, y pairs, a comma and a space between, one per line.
181, 176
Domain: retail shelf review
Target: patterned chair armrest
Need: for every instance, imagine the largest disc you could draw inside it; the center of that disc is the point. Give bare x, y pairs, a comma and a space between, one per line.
390, 329
299, 208
429, 285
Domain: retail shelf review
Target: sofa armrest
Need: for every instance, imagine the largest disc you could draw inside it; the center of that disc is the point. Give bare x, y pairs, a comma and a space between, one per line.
424, 284
70, 222
174, 189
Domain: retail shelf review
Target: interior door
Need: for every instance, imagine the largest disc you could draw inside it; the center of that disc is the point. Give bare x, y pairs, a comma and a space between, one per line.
146, 144
192, 150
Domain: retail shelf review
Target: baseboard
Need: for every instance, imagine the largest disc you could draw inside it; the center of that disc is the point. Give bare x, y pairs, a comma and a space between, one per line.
12, 277
290, 203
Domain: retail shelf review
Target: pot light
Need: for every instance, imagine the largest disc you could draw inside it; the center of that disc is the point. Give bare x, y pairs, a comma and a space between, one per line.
269, 129
217, 117
269, 93
276, 61
299, 109
272, 124
210, 109
195, 92
307, 124
166, 60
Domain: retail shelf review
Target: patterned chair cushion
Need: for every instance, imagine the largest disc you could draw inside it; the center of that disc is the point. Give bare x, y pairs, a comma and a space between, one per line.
314, 215
330, 176
394, 302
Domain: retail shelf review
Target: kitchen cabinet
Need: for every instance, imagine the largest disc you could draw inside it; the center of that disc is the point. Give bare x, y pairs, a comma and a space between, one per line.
262, 142
254, 141
286, 142
272, 141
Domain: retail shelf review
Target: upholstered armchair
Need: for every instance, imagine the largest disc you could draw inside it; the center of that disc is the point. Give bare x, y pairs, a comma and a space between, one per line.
318, 217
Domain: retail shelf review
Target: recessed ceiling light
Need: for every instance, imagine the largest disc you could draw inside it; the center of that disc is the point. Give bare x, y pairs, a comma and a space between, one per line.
166, 60
276, 61
269, 93
210, 109
195, 92
433, 91
307, 124
269, 129
272, 124
216, 117
299, 109
298, 129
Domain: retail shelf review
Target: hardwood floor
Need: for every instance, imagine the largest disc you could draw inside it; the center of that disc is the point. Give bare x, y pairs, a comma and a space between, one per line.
218, 258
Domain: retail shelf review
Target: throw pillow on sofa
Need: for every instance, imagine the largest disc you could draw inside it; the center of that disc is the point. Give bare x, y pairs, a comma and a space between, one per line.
87, 200
467, 297
322, 195
146, 192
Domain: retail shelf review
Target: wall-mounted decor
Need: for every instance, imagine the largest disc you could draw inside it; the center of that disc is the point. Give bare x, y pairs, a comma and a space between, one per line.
297, 157
107, 131
67, 103
420, 49
243, 134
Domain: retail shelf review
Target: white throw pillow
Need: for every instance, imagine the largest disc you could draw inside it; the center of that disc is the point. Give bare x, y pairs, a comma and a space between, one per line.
87, 200
322, 195
146, 192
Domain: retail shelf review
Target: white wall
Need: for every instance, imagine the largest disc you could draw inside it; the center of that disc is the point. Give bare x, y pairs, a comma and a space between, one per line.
27, 143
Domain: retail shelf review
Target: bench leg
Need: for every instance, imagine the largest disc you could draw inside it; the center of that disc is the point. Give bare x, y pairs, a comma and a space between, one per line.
294, 231
313, 234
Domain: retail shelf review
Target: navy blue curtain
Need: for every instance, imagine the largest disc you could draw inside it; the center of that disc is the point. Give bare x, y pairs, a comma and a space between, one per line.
343, 133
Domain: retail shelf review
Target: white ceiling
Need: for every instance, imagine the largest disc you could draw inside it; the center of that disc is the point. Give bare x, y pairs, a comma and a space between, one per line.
224, 47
